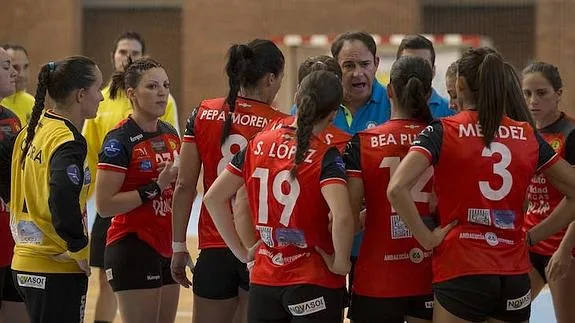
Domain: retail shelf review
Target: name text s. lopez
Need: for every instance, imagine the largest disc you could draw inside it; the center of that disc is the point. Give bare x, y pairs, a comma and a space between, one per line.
237, 118
504, 132
281, 151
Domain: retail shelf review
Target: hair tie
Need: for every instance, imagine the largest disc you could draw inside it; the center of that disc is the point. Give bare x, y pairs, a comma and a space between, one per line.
52, 66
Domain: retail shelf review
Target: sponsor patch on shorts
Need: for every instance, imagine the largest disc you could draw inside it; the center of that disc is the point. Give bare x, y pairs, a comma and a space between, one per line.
309, 307
519, 303
109, 275
429, 304
31, 281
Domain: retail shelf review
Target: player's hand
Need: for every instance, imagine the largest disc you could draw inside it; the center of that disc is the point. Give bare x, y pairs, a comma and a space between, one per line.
83, 264
251, 254
438, 234
167, 175
181, 260
559, 264
341, 268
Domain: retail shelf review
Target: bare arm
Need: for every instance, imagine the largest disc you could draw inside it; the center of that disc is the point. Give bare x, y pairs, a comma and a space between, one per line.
243, 218
216, 201
185, 192
356, 193
338, 200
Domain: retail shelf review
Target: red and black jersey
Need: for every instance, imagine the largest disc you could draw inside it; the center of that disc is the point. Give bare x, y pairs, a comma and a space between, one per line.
484, 189
290, 214
332, 135
9, 128
388, 246
543, 197
204, 128
130, 150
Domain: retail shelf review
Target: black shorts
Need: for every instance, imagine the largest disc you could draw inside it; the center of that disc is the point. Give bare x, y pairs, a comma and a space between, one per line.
365, 309
98, 240
539, 263
8, 291
218, 274
295, 303
132, 264
478, 297
53, 297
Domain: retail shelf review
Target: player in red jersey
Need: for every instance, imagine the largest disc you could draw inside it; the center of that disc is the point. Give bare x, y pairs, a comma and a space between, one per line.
12, 308
135, 185
215, 131
480, 267
332, 135
543, 87
293, 180
389, 253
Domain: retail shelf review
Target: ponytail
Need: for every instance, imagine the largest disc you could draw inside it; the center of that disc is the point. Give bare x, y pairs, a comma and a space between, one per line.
238, 56
491, 95
306, 119
40, 97
319, 94
414, 97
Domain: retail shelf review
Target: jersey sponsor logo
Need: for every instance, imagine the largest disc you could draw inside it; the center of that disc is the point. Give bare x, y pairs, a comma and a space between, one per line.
339, 162
153, 277
109, 274
556, 145
158, 146
87, 176
399, 229
538, 207
278, 258
370, 124
140, 152
244, 105
28, 233
479, 216
136, 138
287, 236
519, 303
162, 206
504, 132
415, 255
32, 281
173, 144
112, 148
146, 165
266, 234
504, 219
73, 172
312, 306
490, 237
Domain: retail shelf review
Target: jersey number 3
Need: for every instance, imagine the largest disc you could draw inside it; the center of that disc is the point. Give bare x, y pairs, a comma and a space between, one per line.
499, 169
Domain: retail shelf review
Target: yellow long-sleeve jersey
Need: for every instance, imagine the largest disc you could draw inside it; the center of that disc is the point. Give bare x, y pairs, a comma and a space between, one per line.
21, 103
110, 113
48, 198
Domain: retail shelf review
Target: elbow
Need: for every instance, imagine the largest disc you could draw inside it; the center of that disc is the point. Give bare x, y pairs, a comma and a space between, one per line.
209, 200
103, 209
393, 191
184, 189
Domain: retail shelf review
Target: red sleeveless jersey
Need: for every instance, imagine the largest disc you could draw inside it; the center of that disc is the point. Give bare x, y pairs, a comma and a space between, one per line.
130, 150
388, 253
9, 128
543, 197
331, 135
484, 189
204, 128
290, 214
